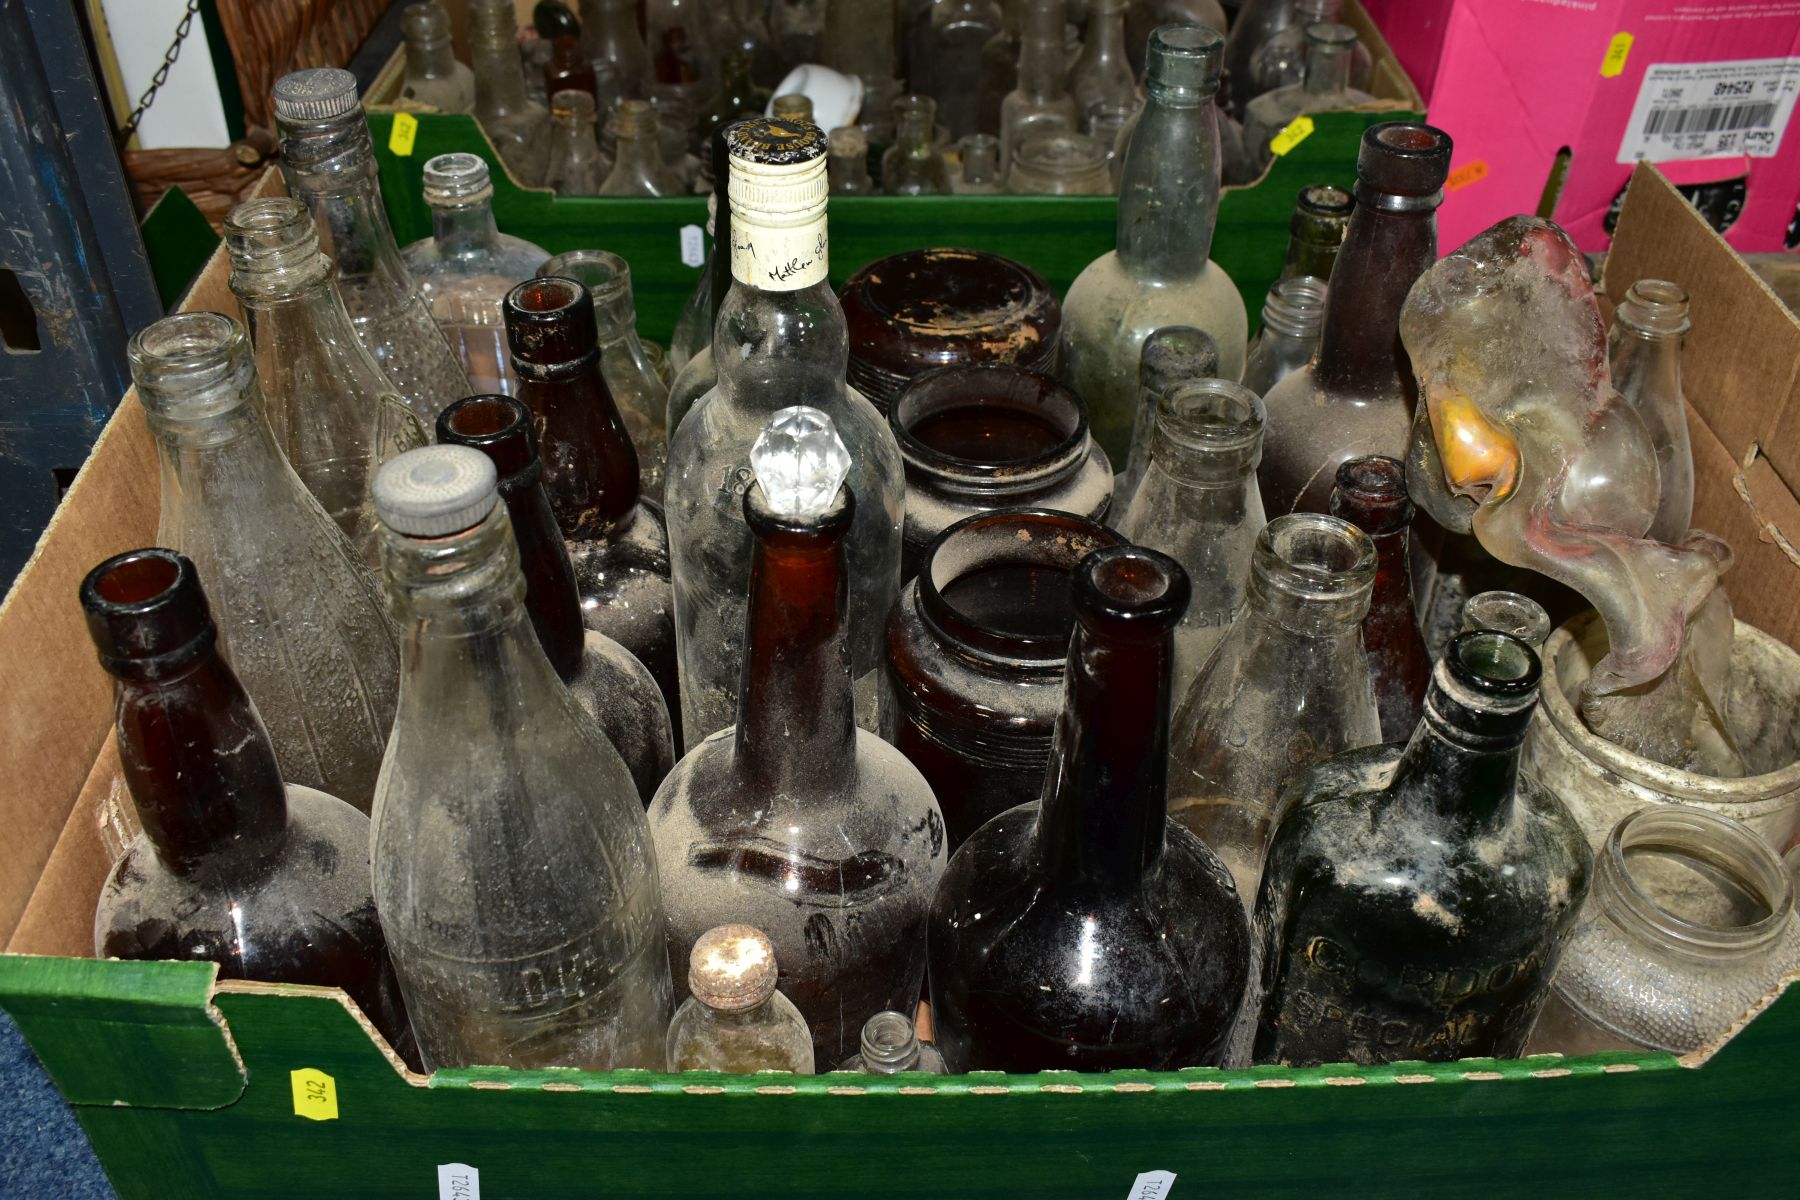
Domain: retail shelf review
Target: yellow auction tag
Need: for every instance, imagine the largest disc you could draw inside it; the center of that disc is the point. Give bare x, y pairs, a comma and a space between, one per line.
1616, 50
315, 1094
406, 128
1297, 131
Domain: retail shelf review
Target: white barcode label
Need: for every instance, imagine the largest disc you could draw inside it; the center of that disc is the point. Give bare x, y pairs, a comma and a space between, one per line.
693, 247
458, 1181
1712, 110
1152, 1185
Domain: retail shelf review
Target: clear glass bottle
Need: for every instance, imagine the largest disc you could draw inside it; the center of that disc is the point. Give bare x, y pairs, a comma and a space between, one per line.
574, 165
1645, 354
1160, 273
1287, 686
605, 678
513, 869
848, 165
1102, 74
615, 45
334, 414
1041, 102
912, 166
980, 174
1059, 162
1357, 396
1418, 895
890, 1045
328, 161
1106, 122
1507, 612
1316, 231
999, 68
1171, 355
518, 126
300, 620
1199, 505
780, 337
951, 71
684, 57
1689, 928
593, 474
467, 265
1254, 24
638, 170
433, 76
820, 833
1330, 53
1293, 320
734, 1021
1087, 931
269, 881
1143, 17
1281, 60
1370, 493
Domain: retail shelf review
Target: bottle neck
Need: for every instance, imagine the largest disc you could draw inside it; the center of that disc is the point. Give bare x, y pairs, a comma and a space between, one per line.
1327, 68
1645, 349
330, 166
552, 597
1391, 241
1105, 33
1295, 308
494, 57
639, 150
915, 132
1463, 760
719, 265
590, 465
1169, 189
464, 230
429, 58
1043, 65
465, 585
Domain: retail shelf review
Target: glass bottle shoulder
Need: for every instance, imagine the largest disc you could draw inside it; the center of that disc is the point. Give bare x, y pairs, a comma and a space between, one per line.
1107, 305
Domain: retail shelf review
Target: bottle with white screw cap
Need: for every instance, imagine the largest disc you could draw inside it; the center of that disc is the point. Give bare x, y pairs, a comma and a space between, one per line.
328, 160
780, 340
734, 1021
513, 872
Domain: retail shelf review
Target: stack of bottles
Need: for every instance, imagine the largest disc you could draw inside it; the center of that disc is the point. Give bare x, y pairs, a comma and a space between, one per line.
710, 729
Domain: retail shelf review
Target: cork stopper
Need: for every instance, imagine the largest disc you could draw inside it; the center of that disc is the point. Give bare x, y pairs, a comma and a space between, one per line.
732, 968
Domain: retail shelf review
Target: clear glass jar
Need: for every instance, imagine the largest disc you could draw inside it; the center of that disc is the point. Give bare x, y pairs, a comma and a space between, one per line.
976, 649
1059, 163
1199, 505
1106, 122
1645, 355
433, 76
1316, 231
1171, 355
518, 126
299, 619
1288, 686
574, 165
1041, 102
467, 265
912, 166
891, 1046
734, 1021
980, 173
513, 870
333, 413
986, 436
1330, 53
1293, 320
328, 161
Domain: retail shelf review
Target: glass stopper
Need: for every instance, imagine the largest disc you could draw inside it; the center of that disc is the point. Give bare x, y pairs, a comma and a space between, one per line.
800, 462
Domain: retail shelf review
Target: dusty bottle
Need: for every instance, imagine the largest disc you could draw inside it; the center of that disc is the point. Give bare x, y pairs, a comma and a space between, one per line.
574, 165
592, 472
1087, 931
1102, 73
606, 679
1293, 319
1370, 493
734, 1021
912, 166
518, 126
268, 880
638, 169
328, 160
890, 1045
1041, 102
848, 164
1507, 612
818, 832
513, 869
1356, 398
299, 619
1171, 355
433, 76
569, 69
1330, 51
615, 46
467, 265
1159, 274
780, 337
980, 175
694, 331
333, 413
950, 73
1287, 686
1417, 896
1645, 355
1256, 23
1199, 505
1316, 231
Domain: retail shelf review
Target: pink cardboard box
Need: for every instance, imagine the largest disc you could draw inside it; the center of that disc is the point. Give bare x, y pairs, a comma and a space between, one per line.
1703, 88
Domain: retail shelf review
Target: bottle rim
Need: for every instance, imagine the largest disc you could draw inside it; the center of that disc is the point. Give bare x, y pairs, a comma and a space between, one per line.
998, 386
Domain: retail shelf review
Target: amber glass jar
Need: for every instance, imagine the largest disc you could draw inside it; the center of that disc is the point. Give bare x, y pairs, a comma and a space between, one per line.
921, 309
991, 435
977, 647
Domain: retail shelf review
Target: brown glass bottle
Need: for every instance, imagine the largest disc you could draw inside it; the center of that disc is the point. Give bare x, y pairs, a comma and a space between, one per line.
1316, 232
606, 679
569, 69
1087, 931
618, 545
270, 881
1356, 398
976, 647
1371, 495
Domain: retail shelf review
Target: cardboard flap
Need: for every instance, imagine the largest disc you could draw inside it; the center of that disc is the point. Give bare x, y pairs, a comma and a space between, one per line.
142, 1035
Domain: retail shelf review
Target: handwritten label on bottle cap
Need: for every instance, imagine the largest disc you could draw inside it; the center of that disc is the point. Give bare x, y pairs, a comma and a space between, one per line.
458, 1181
315, 1094
405, 131
1466, 174
1614, 63
1297, 131
693, 246
1152, 1185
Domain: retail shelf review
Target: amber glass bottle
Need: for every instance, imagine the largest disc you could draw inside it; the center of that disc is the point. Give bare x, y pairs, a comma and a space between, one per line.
270, 881
620, 547
1371, 495
1087, 931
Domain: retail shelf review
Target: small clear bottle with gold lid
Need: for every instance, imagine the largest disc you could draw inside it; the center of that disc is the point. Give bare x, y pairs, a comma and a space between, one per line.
734, 1021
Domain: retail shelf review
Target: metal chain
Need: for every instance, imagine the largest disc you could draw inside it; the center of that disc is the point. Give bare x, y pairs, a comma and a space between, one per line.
162, 73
